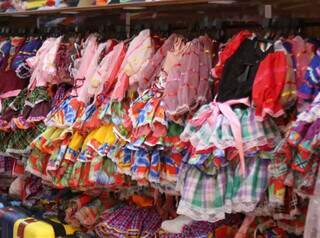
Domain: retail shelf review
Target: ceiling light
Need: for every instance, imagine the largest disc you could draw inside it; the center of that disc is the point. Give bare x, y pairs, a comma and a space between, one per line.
20, 15
222, 1
134, 8
71, 12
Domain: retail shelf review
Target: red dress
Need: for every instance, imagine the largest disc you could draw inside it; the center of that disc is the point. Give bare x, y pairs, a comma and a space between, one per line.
228, 51
268, 85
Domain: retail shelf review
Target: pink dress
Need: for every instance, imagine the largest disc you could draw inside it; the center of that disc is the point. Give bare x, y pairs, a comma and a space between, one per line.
147, 75
99, 87
84, 94
43, 66
72, 108
157, 69
204, 91
104, 77
89, 50
140, 51
187, 84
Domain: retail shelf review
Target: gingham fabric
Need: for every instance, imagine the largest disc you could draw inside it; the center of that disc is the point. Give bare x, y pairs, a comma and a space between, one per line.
6, 164
129, 221
203, 229
217, 132
207, 197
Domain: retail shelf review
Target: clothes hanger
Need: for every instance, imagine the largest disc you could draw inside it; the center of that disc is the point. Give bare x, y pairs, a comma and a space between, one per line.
8, 32
165, 30
2, 30
218, 27
31, 31
122, 32
137, 28
298, 25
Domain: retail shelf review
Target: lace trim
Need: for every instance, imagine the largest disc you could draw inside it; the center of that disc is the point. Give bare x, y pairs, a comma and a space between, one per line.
169, 177
53, 167
216, 214
158, 143
32, 119
160, 120
165, 189
247, 145
163, 179
310, 115
18, 151
33, 104
235, 205
179, 110
201, 214
54, 123
38, 174
4, 154
150, 124
119, 135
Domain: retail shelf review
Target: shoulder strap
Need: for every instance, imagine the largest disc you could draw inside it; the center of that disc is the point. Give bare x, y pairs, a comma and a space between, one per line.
22, 226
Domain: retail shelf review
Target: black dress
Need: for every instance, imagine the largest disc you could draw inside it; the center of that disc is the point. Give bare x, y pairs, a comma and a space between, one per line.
240, 70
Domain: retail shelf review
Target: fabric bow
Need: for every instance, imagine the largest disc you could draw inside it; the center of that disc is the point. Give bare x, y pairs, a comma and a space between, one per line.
224, 108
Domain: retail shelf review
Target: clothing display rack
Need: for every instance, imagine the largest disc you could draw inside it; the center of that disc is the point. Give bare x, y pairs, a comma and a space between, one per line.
159, 119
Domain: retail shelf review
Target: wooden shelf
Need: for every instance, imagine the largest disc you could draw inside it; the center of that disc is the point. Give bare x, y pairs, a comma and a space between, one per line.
113, 8
216, 8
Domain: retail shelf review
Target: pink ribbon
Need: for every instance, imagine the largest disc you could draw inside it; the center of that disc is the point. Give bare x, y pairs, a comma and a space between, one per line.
211, 115
12, 93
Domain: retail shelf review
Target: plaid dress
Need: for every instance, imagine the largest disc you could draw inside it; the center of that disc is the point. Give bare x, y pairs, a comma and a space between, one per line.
203, 229
20, 140
129, 221
215, 130
209, 197
6, 164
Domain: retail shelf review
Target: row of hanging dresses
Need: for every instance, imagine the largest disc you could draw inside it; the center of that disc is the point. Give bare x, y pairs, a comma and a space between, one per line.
145, 111
33, 84
237, 140
13, 84
97, 120
61, 145
153, 150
